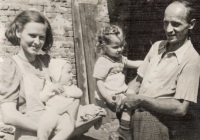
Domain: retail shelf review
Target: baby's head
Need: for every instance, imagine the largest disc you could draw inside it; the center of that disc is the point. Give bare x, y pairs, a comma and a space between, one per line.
66, 75
111, 41
61, 71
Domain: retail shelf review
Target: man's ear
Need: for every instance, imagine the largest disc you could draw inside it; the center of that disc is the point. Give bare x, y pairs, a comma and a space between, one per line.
18, 33
192, 23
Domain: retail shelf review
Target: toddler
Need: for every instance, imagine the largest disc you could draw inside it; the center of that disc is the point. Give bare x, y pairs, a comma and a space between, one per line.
108, 73
57, 96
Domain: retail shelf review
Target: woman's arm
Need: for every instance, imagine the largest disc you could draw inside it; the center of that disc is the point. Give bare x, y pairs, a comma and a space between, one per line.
133, 64
72, 109
13, 117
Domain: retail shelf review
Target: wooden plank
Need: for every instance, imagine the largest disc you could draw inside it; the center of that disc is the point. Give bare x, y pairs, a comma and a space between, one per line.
88, 33
91, 26
79, 51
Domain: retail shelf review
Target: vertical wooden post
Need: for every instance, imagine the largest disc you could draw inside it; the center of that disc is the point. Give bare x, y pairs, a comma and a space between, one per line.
80, 55
88, 14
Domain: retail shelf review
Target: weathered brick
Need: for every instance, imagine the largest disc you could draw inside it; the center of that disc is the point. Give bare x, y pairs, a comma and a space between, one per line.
39, 7
69, 10
4, 6
75, 82
63, 38
14, 7
11, 18
6, 13
40, 2
73, 66
50, 9
72, 55
50, 15
66, 46
25, 7
88, 1
63, 4
71, 33
67, 16
7, 43
71, 50
74, 71
4, 18
68, 28
72, 61
17, 1
7, 24
62, 10
66, 34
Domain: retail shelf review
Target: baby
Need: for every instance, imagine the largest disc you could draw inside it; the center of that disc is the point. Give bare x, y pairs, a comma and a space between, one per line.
108, 73
57, 96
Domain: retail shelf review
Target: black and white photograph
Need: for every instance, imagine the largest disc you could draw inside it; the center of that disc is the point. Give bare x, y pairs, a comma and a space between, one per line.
99, 69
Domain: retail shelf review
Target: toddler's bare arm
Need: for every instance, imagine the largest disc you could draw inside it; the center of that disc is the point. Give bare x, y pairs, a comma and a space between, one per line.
133, 64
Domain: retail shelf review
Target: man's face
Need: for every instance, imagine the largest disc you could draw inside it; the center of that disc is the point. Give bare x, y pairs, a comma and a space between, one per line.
176, 25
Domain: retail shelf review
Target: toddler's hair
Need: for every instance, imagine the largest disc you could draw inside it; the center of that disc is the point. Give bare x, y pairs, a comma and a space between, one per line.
105, 35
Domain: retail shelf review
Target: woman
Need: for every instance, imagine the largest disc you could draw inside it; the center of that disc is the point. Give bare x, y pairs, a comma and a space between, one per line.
24, 74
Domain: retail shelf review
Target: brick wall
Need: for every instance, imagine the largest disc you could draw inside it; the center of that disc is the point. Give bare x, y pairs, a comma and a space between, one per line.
59, 14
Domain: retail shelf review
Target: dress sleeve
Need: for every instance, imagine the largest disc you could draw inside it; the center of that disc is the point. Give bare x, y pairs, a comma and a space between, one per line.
101, 68
188, 83
9, 81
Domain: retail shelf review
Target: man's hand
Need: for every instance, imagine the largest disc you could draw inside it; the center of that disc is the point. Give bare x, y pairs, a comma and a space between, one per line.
132, 101
119, 103
111, 100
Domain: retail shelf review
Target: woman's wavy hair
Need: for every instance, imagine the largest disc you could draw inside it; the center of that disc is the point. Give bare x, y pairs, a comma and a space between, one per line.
104, 36
21, 20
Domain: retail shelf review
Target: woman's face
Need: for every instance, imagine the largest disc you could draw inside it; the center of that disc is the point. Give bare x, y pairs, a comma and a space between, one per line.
66, 75
32, 37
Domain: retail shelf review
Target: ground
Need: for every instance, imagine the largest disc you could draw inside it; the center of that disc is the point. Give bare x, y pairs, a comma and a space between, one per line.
103, 133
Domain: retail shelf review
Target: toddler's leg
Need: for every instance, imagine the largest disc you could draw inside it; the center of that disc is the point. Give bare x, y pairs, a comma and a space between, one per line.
47, 124
64, 128
124, 129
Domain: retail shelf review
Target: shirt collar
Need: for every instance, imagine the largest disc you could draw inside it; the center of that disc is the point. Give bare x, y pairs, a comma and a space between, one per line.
180, 52
112, 59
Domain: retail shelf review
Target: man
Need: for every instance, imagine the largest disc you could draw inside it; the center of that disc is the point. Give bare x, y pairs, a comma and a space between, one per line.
167, 82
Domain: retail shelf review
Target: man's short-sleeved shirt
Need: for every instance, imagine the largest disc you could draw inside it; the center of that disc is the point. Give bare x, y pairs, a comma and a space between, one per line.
109, 70
176, 75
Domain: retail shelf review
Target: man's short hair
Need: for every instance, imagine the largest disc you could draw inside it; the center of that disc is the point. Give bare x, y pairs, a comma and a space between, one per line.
190, 9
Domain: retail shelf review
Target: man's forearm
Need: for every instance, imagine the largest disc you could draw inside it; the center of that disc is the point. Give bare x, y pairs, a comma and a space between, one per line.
165, 106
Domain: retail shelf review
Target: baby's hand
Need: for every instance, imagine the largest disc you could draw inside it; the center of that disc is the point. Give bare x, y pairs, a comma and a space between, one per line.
57, 88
